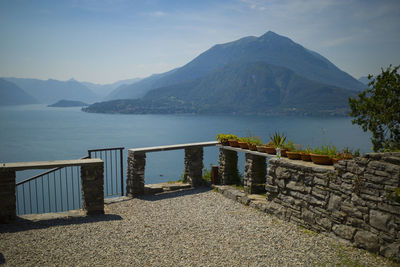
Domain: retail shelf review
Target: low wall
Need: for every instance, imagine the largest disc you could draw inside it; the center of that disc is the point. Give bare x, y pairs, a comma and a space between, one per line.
349, 200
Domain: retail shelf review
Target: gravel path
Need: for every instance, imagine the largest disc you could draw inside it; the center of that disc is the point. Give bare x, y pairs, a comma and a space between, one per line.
197, 227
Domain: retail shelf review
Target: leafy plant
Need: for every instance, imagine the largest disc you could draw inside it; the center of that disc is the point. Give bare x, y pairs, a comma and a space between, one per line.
278, 139
223, 138
377, 109
395, 195
289, 145
329, 150
207, 173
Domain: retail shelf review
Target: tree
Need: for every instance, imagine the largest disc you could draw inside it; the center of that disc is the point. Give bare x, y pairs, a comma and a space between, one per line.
377, 109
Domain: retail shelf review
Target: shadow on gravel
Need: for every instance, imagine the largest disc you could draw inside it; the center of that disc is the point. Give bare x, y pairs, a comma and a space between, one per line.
174, 194
24, 225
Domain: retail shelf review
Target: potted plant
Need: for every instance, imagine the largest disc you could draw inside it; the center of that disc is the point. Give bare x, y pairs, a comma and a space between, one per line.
233, 141
243, 143
269, 148
292, 152
224, 138
323, 155
305, 154
255, 144
278, 140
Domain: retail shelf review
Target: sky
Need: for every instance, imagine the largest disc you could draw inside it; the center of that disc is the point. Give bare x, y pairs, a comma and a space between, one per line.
103, 41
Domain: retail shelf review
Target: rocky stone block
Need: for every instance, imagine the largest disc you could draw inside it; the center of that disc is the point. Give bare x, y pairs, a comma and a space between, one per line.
380, 220
344, 231
367, 240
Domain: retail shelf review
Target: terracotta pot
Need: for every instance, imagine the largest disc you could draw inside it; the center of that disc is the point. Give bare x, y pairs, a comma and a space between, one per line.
261, 149
293, 155
305, 156
243, 145
233, 143
283, 152
225, 143
321, 159
335, 160
252, 147
270, 150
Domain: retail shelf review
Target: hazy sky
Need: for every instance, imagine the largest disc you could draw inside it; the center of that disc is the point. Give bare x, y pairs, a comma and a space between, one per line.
104, 41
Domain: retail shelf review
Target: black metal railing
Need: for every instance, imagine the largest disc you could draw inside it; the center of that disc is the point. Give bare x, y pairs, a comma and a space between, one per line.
59, 189
113, 169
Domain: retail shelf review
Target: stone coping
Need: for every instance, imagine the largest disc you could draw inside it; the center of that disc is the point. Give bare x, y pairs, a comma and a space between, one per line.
20, 166
172, 147
238, 149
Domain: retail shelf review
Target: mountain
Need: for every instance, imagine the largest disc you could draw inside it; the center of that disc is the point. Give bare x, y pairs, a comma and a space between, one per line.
51, 91
102, 90
364, 80
271, 48
68, 103
249, 88
11, 94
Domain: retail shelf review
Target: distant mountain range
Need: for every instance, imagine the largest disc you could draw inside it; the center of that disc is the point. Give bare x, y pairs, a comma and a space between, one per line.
267, 74
51, 91
11, 94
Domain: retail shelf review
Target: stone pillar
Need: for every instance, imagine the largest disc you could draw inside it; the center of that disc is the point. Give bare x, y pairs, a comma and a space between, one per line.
254, 174
8, 211
92, 177
135, 175
194, 166
228, 171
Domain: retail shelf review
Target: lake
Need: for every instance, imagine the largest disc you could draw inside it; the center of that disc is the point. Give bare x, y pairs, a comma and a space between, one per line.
37, 132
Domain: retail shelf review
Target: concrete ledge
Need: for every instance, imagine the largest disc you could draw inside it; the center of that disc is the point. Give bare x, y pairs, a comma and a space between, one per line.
20, 166
237, 149
172, 147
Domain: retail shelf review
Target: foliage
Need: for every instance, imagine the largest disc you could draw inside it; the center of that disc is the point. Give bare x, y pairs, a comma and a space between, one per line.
395, 195
378, 109
222, 138
278, 139
207, 173
307, 150
329, 150
289, 145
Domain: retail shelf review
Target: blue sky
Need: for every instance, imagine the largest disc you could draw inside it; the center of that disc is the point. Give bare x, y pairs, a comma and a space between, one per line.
103, 41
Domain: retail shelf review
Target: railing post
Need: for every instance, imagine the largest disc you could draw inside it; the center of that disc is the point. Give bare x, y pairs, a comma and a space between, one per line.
121, 159
135, 173
194, 166
254, 174
92, 178
8, 200
228, 171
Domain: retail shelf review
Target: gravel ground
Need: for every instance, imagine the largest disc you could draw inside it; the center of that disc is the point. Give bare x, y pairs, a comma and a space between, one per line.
196, 227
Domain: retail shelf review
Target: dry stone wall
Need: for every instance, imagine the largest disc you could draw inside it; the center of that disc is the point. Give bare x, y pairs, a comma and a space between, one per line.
350, 200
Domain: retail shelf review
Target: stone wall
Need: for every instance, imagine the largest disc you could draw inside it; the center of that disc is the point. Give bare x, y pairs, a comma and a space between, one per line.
227, 169
254, 174
92, 179
7, 196
349, 200
194, 166
135, 174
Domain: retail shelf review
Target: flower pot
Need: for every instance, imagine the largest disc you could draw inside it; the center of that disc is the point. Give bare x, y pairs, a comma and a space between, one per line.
321, 159
270, 150
252, 147
335, 160
305, 156
243, 145
293, 155
260, 149
283, 152
225, 143
233, 143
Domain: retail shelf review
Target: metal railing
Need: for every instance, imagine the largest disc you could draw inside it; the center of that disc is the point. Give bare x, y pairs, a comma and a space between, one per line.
59, 189
113, 167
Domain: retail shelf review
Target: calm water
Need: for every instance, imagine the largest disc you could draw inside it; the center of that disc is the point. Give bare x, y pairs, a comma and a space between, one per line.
37, 132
